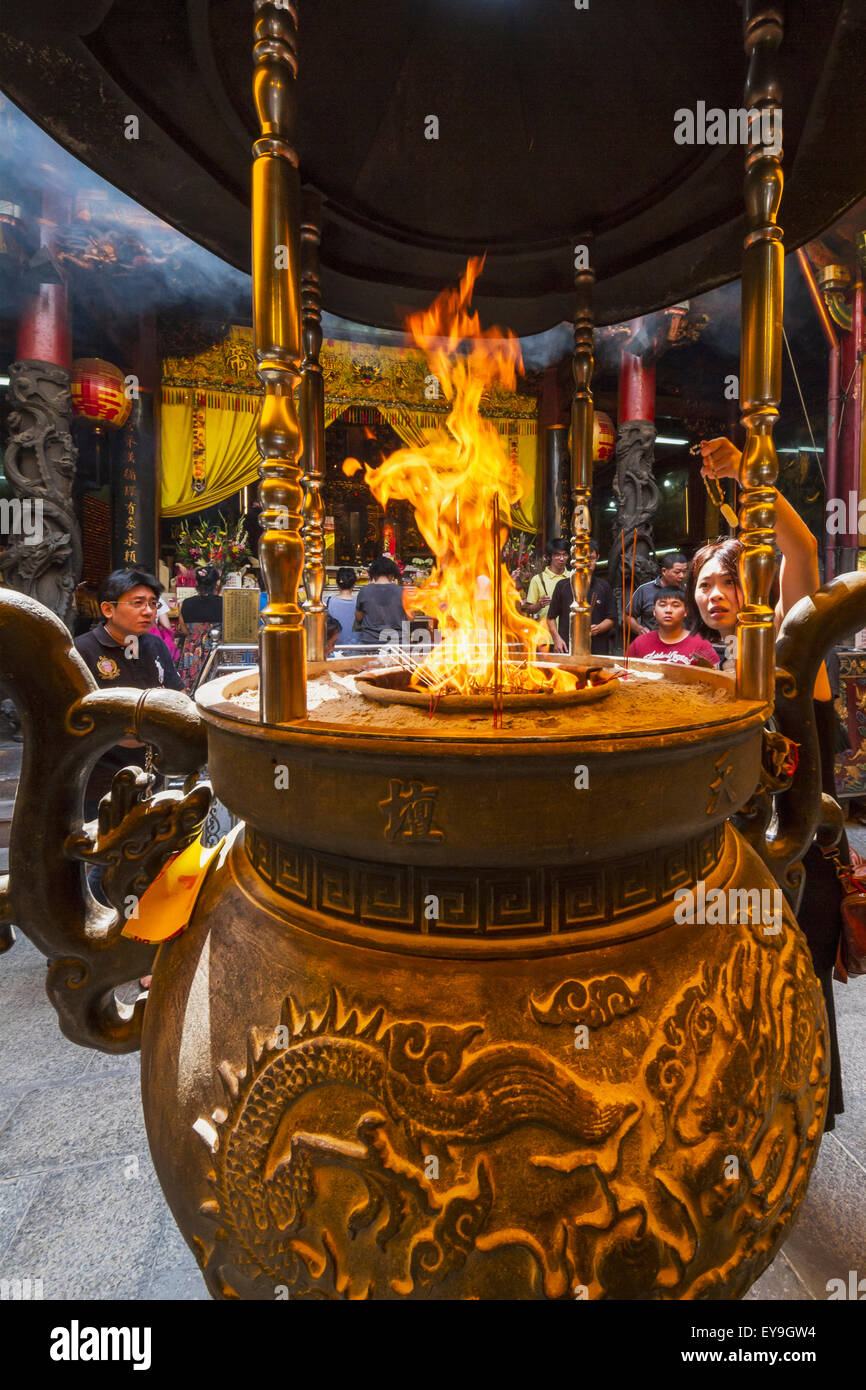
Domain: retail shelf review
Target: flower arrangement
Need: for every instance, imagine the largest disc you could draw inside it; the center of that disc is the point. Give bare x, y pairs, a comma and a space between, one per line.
219, 545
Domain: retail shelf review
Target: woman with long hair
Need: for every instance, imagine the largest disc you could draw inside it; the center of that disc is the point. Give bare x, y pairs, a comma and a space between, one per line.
715, 596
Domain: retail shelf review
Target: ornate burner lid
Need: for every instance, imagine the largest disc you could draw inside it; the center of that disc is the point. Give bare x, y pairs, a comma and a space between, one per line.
391, 687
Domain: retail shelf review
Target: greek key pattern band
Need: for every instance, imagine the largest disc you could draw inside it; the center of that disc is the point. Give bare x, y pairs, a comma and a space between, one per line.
526, 901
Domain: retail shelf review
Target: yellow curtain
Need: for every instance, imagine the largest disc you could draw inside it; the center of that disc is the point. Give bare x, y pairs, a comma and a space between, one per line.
208, 448
419, 427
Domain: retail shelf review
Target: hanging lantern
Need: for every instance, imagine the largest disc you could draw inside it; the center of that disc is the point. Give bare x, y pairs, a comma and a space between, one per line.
98, 393
603, 437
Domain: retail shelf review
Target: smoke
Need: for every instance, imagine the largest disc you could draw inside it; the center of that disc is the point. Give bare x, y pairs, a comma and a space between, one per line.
111, 249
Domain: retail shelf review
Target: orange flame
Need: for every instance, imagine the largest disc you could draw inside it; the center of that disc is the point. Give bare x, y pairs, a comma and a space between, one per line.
452, 482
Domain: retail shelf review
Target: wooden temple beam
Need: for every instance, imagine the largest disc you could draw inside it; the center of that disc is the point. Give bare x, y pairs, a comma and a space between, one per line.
581, 451
313, 426
760, 357
276, 220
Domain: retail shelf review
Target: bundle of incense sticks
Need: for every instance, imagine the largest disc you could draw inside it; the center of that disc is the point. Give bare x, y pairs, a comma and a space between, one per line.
626, 627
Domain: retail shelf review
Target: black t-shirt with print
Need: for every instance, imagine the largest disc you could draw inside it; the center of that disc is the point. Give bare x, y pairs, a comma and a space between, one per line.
602, 604
109, 664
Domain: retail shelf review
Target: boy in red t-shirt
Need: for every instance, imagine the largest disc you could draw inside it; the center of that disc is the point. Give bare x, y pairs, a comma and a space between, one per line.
671, 642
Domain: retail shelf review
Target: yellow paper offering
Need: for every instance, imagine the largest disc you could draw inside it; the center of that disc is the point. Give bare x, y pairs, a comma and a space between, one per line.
165, 908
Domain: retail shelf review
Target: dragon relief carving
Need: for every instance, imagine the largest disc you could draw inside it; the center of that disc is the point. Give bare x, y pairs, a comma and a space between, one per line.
367, 1158
440, 1097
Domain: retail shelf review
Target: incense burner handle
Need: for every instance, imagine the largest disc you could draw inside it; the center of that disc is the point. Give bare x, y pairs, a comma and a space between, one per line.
67, 724
808, 631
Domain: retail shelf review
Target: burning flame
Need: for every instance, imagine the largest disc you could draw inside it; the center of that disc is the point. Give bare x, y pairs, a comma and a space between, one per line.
462, 485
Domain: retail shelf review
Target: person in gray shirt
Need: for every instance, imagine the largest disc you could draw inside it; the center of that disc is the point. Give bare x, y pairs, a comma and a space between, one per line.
379, 611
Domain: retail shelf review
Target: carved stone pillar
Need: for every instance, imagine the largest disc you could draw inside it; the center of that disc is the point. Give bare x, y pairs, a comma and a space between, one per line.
760, 358
313, 427
637, 497
581, 462
276, 219
43, 557
634, 486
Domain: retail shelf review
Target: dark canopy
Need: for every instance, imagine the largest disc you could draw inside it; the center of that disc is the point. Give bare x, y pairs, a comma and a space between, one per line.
554, 124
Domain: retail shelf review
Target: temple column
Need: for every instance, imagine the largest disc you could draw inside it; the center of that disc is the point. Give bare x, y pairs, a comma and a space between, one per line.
634, 485
276, 226
43, 558
312, 412
760, 360
556, 484
133, 463
851, 371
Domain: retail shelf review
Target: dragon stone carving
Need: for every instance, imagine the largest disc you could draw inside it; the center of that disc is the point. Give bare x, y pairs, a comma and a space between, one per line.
40, 464
637, 497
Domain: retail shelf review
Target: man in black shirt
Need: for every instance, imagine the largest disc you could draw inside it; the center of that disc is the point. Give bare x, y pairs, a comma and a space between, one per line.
602, 610
122, 652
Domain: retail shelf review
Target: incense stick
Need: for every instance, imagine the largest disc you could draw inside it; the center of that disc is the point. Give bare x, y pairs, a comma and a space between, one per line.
497, 620
631, 594
624, 618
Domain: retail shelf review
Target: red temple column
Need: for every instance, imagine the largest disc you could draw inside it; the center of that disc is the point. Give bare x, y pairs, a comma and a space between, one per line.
637, 383
40, 457
635, 485
43, 328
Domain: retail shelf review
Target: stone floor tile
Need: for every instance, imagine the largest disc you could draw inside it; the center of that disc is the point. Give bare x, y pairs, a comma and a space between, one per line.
778, 1283
23, 955
33, 1051
175, 1271
16, 1194
9, 1099
114, 1063
76, 1122
181, 1283
829, 1233
89, 1233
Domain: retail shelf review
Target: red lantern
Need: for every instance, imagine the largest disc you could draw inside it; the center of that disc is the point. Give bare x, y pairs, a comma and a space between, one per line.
603, 437
98, 393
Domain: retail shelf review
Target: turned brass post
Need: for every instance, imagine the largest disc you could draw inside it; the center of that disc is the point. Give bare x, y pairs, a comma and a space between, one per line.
313, 426
581, 456
276, 197
760, 355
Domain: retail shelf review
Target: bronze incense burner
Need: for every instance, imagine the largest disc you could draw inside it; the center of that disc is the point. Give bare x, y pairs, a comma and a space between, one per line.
433, 1030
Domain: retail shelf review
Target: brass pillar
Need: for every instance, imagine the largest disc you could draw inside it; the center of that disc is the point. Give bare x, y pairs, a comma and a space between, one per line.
760, 357
313, 426
276, 217
581, 461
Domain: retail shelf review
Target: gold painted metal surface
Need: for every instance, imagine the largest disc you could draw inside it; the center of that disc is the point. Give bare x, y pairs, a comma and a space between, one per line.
67, 724
276, 218
760, 359
581, 462
396, 1113
313, 428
